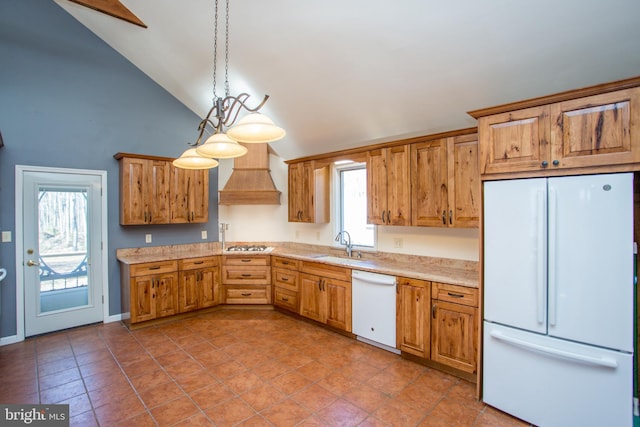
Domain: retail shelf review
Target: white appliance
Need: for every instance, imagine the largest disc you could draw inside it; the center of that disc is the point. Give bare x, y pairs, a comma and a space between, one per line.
558, 299
373, 308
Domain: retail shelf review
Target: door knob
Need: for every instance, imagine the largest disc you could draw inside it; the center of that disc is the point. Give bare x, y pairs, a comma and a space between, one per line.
31, 263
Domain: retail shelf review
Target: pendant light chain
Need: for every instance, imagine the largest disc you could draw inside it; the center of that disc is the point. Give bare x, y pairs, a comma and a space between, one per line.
226, 52
215, 50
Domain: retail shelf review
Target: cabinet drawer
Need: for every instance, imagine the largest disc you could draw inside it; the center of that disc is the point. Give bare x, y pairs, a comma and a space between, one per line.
287, 279
285, 298
327, 270
147, 268
194, 263
237, 275
247, 294
455, 294
288, 263
246, 260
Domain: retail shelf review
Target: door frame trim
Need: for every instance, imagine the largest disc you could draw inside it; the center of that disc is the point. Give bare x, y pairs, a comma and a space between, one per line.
19, 235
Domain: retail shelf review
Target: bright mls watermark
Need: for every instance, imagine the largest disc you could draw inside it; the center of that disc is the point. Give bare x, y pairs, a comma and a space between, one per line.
34, 415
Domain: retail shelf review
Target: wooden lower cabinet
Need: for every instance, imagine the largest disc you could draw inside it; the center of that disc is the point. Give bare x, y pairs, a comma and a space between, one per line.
199, 283
286, 280
246, 279
153, 290
454, 326
326, 299
413, 332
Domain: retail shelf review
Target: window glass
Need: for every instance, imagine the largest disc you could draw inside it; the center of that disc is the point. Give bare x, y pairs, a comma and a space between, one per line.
353, 204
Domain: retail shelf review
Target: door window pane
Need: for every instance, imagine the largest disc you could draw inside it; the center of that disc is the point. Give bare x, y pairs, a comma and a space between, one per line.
62, 235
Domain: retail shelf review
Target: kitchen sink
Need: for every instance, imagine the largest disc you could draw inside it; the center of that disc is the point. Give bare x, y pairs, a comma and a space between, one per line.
340, 260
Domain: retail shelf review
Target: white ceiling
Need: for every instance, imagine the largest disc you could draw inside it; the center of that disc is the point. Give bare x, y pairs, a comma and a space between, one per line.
348, 73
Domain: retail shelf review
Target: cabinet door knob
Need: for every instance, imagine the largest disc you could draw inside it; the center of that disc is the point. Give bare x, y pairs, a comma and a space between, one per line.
451, 217
444, 217
556, 162
545, 163
433, 310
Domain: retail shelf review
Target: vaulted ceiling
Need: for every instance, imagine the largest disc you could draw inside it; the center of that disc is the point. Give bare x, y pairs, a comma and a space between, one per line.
347, 73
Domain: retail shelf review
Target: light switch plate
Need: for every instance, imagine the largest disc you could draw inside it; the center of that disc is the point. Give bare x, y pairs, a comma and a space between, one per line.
6, 236
147, 238
203, 233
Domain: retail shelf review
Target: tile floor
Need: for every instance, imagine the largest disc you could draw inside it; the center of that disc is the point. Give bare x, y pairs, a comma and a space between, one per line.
233, 367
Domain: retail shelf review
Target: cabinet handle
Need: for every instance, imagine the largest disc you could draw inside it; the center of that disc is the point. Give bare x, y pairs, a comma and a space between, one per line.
444, 217
149, 216
285, 299
556, 162
246, 275
433, 310
193, 216
285, 279
451, 294
544, 163
246, 295
451, 217
388, 217
245, 260
319, 285
285, 262
383, 220
154, 268
199, 262
145, 217
324, 285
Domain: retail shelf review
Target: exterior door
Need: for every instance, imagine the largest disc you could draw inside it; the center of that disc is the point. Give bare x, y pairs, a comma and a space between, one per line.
62, 250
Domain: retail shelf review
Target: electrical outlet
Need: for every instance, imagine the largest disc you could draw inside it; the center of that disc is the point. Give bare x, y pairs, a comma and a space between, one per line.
203, 234
147, 238
6, 236
397, 242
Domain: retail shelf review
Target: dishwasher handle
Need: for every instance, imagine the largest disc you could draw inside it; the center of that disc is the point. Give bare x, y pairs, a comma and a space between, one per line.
373, 278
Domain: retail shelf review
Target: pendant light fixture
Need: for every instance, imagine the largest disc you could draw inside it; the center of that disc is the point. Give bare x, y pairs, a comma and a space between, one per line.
254, 128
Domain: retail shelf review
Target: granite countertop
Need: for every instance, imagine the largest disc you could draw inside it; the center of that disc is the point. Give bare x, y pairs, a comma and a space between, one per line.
451, 271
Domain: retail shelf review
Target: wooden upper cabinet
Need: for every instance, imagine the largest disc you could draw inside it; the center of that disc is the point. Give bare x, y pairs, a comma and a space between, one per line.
389, 186
429, 187
596, 130
189, 196
153, 191
308, 193
464, 181
446, 182
590, 130
514, 141
144, 191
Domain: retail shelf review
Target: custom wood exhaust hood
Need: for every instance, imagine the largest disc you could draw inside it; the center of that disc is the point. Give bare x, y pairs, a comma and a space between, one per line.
250, 182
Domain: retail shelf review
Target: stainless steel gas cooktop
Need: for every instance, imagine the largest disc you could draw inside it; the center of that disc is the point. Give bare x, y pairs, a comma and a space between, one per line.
249, 248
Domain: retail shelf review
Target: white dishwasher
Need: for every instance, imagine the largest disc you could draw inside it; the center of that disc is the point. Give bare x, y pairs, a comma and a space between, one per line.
373, 308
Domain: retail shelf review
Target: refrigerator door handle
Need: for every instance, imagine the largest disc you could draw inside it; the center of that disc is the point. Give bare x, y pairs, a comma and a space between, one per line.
606, 362
553, 220
540, 282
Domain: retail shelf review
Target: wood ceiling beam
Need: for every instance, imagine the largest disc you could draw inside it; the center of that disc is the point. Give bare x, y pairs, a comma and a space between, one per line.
112, 8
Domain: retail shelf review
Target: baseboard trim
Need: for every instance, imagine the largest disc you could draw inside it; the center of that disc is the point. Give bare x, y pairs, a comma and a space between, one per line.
12, 339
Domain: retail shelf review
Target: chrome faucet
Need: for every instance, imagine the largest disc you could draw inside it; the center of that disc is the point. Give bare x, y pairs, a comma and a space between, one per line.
347, 243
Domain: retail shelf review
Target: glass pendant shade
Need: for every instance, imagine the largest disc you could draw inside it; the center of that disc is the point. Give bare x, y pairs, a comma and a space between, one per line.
191, 160
256, 128
220, 146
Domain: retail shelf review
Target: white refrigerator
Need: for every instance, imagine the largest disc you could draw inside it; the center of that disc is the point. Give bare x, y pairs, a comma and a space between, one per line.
558, 299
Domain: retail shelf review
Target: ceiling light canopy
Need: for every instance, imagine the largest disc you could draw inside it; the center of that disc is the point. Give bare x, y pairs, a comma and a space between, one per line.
251, 129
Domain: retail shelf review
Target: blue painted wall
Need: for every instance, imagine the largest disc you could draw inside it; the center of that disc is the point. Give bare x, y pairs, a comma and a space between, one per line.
67, 99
